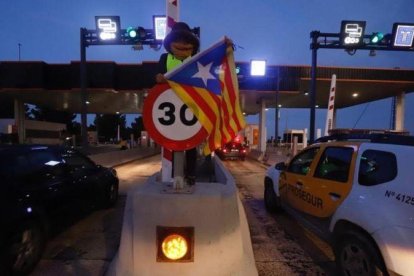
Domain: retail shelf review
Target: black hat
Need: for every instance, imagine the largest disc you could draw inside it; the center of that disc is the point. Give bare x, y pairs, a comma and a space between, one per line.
181, 32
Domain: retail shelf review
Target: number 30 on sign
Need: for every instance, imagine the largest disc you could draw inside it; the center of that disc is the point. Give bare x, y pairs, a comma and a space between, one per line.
169, 121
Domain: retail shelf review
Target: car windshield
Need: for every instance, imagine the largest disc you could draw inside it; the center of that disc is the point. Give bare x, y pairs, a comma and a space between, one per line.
12, 162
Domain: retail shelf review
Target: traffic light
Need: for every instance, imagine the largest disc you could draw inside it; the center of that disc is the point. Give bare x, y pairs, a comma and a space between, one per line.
131, 32
135, 34
376, 37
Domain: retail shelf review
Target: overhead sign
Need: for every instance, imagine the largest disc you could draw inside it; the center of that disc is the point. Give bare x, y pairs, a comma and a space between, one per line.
160, 26
403, 35
170, 122
108, 27
352, 33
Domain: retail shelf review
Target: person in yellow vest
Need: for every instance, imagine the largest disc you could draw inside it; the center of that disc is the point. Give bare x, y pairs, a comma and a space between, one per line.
180, 44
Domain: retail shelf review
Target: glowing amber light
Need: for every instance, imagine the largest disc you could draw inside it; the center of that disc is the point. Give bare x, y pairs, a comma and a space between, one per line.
174, 247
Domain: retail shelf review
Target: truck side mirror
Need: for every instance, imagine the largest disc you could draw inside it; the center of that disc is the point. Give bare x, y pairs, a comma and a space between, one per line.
280, 166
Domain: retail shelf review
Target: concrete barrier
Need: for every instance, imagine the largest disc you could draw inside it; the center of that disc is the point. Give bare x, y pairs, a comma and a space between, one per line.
255, 154
221, 238
119, 157
271, 156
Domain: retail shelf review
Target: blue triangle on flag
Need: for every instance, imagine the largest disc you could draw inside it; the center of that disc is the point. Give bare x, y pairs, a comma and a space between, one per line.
202, 70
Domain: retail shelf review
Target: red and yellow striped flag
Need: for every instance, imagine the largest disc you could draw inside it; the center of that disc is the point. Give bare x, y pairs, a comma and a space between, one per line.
207, 84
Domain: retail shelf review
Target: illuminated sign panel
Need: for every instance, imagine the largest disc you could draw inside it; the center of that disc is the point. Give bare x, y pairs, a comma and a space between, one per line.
108, 28
160, 26
403, 35
352, 33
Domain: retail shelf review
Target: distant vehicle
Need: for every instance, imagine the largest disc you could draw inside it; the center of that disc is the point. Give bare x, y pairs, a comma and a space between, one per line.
357, 194
232, 150
39, 182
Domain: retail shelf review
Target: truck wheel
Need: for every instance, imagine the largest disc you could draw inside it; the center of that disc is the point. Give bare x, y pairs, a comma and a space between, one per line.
357, 255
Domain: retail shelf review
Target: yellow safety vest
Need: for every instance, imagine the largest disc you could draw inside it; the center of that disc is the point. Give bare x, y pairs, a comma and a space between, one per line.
172, 62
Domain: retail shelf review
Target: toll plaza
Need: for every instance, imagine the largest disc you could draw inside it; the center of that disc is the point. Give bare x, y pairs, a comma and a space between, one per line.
114, 88
162, 224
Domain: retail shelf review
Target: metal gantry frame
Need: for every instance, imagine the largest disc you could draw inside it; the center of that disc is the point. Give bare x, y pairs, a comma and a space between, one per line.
332, 41
91, 37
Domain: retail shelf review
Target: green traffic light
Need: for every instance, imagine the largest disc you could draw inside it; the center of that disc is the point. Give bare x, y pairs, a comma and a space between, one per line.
377, 37
131, 32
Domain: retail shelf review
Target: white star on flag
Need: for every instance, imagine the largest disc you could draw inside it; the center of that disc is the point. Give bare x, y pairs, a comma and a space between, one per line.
204, 73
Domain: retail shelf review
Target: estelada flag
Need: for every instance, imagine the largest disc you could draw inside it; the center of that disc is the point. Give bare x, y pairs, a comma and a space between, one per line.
207, 84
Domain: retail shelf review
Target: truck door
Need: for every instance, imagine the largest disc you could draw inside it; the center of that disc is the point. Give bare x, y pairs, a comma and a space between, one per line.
296, 175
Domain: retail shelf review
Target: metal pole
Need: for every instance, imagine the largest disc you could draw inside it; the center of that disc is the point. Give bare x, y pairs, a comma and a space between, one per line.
314, 36
83, 76
20, 45
277, 106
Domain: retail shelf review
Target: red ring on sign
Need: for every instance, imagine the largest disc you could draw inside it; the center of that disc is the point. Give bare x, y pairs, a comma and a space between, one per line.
175, 145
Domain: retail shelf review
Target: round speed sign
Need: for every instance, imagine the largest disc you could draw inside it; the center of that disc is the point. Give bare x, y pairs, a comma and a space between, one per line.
169, 121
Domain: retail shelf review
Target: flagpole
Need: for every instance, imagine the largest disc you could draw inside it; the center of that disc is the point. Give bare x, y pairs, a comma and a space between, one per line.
177, 166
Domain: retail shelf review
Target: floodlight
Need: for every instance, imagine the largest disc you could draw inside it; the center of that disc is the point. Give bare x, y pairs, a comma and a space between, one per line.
160, 26
257, 67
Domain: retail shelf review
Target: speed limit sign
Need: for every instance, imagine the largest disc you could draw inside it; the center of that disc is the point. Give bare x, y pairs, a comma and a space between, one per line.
169, 121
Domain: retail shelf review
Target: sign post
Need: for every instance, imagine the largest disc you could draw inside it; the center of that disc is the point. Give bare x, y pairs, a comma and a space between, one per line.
172, 125
108, 32
351, 38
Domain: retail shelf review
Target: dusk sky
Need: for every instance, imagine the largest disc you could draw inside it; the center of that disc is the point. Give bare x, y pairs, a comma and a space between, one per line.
275, 30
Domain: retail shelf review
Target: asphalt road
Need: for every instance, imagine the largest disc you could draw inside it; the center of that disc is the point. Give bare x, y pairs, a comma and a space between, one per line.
281, 246
85, 244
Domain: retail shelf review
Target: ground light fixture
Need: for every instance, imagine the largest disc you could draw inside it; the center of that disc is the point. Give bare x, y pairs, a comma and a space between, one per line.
175, 244
257, 67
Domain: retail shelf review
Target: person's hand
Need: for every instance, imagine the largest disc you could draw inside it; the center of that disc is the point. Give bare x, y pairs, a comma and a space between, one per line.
159, 78
228, 41
229, 44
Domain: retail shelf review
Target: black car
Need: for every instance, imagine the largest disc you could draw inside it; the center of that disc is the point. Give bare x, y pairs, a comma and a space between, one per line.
232, 150
39, 182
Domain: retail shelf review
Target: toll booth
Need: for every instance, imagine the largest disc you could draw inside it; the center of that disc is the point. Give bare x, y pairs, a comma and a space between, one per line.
251, 135
289, 136
144, 140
